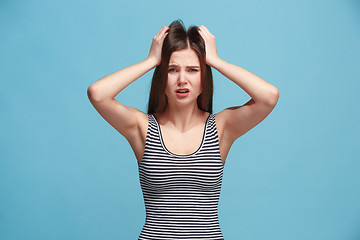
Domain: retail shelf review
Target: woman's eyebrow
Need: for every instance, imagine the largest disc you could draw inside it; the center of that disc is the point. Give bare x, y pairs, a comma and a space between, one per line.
174, 65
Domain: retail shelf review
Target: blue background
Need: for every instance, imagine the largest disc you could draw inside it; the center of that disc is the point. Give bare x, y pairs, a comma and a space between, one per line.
65, 173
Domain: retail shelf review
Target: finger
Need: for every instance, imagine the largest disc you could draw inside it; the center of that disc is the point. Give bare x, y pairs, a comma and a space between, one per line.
207, 32
204, 30
161, 31
203, 33
203, 36
166, 31
201, 30
162, 38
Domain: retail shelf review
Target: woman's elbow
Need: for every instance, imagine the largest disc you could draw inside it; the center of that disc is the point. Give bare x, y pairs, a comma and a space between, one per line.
275, 94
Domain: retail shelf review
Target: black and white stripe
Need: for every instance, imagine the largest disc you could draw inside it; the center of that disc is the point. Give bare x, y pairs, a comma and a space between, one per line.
181, 192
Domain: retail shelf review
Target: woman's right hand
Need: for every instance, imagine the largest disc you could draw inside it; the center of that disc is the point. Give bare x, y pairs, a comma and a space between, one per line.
156, 45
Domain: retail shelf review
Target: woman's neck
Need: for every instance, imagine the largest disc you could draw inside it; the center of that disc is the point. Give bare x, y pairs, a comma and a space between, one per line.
183, 118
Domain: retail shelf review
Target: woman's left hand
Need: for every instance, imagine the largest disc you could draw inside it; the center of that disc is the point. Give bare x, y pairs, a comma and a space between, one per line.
210, 44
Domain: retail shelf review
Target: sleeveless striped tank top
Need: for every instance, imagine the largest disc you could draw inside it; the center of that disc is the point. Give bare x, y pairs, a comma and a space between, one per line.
181, 192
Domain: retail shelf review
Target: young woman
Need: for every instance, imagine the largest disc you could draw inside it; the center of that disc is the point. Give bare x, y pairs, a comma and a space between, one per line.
180, 145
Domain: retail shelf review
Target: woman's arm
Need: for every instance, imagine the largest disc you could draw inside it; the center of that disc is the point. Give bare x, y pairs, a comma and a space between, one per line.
102, 93
259, 90
110, 86
236, 121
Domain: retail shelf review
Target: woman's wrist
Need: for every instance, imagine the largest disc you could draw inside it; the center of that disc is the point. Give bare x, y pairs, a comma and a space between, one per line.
152, 62
214, 62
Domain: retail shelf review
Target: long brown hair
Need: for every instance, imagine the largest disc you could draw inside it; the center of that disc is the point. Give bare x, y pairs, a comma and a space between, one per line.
178, 39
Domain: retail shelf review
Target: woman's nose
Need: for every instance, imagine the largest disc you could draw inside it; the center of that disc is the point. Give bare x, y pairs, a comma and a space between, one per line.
182, 77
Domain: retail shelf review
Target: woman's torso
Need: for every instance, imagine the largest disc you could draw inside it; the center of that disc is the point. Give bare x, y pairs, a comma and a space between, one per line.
190, 141
181, 191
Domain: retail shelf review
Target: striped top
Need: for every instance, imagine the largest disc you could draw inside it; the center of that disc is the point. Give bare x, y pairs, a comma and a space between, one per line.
181, 192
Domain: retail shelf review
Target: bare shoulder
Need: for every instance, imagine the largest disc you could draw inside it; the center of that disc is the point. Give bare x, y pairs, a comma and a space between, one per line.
130, 122
142, 122
233, 122
220, 121
238, 120
142, 119
137, 138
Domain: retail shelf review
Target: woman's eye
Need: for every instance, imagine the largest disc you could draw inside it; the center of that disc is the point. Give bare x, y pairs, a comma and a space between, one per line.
191, 70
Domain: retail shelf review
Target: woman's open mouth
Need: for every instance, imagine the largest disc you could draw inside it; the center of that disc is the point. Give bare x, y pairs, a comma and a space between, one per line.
182, 92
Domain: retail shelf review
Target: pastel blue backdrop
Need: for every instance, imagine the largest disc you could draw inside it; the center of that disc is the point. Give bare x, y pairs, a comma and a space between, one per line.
65, 173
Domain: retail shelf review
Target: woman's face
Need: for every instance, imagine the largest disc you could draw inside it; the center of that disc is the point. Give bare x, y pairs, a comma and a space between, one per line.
184, 77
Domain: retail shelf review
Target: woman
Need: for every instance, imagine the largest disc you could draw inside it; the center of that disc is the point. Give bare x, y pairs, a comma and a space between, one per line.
179, 144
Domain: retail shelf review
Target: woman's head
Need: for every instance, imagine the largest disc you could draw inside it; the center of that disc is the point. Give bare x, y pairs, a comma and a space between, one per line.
188, 44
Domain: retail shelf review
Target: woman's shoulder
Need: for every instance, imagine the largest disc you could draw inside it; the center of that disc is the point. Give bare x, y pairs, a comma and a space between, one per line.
220, 119
141, 118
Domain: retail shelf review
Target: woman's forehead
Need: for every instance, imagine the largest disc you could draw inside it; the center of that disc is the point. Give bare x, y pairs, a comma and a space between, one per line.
184, 57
